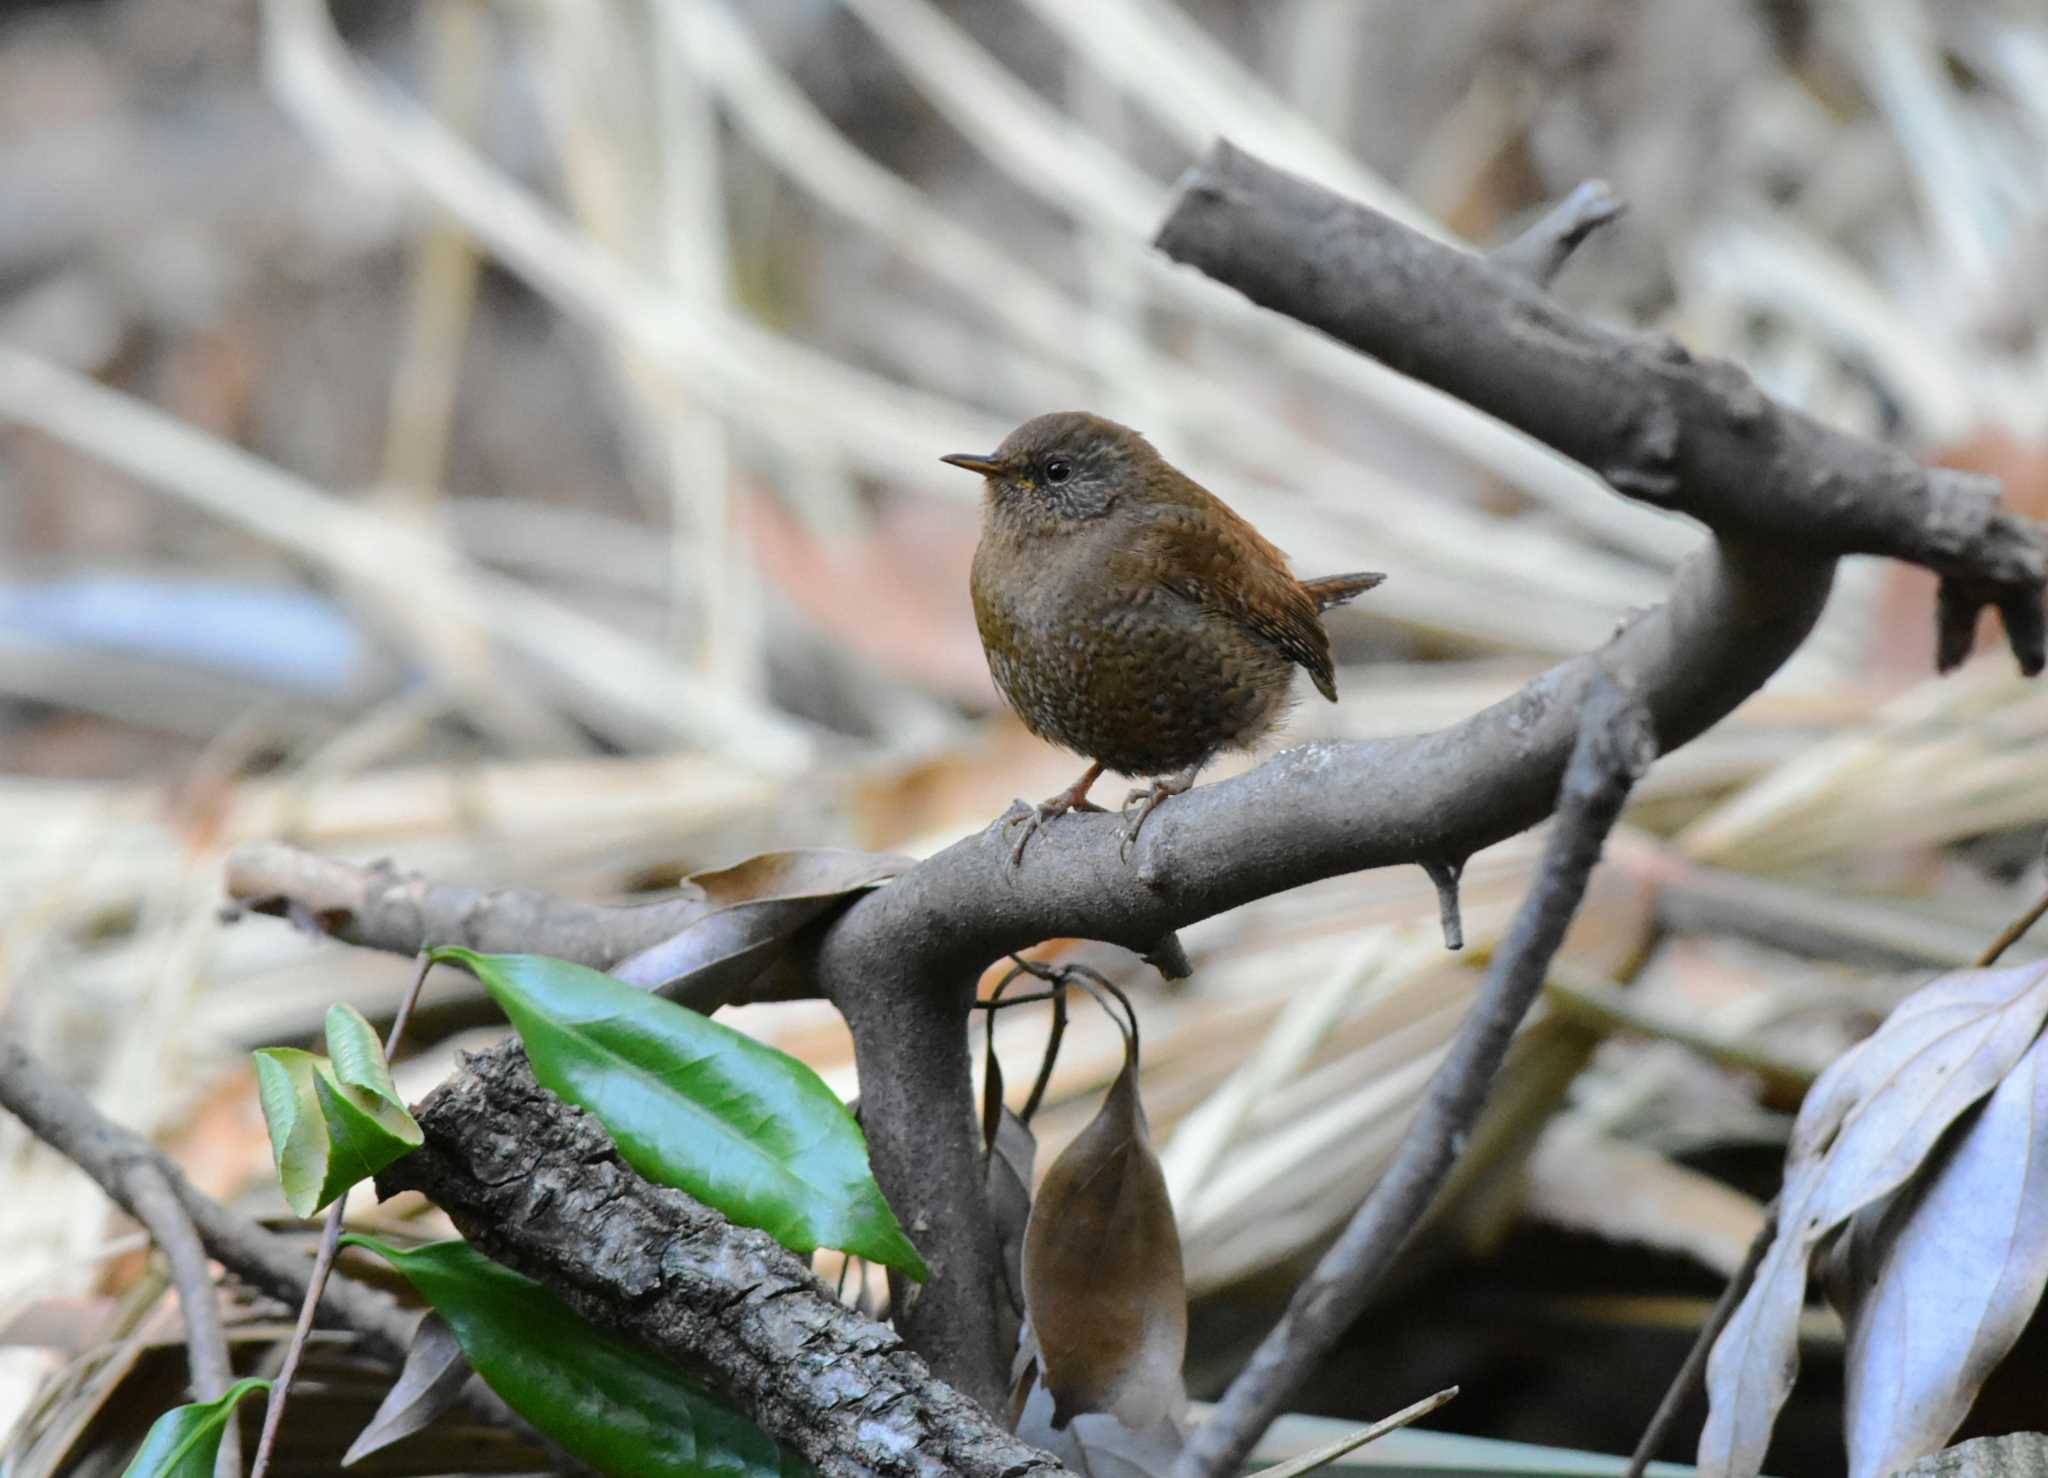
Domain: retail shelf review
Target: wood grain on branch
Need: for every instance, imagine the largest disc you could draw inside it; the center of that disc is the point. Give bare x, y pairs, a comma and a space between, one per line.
1693, 435
540, 1188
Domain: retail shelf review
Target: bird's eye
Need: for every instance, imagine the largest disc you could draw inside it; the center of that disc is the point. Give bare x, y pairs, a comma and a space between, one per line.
1058, 470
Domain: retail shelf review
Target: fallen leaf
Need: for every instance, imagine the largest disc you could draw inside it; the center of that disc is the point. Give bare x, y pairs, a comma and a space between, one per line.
1961, 1262
1868, 1124
1587, 1181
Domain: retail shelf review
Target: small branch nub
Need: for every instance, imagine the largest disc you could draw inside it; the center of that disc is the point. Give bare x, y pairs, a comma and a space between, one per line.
1445, 875
1540, 252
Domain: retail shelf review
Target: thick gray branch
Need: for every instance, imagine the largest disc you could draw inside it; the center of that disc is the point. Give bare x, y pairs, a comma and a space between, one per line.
1659, 425
1783, 494
1614, 747
540, 1188
380, 907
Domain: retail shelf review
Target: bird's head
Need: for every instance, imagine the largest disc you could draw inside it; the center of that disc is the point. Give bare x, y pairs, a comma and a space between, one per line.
1066, 467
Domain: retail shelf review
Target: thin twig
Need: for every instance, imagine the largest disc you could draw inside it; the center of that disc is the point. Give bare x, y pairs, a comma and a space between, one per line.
1046, 1063
280, 1389
1540, 252
1614, 745
156, 1205
66, 1120
323, 1263
2014, 933
1688, 1377
1329, 1452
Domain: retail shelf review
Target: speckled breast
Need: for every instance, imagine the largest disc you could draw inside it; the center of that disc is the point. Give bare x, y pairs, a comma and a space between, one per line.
1147, 684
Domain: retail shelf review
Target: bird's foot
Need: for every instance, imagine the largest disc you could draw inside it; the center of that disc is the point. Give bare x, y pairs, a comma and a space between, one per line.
1147, 798
1073, 798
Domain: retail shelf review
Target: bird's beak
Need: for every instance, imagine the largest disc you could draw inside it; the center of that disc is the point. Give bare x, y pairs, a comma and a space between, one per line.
987, 466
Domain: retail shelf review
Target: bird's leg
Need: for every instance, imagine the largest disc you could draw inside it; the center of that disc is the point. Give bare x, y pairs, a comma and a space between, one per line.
1073, 798
1151, 795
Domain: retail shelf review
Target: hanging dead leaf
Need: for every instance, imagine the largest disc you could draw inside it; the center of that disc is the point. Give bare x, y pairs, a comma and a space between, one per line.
755, 908
1867, 1126
1961, 1260
430, 1383
1011, 1159
1103, 1282
1097, 1444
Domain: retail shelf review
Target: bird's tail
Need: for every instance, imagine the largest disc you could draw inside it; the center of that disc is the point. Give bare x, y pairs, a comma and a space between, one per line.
1335, 590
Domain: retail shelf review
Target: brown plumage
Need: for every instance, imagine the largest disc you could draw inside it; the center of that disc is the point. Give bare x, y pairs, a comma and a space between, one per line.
1128, 614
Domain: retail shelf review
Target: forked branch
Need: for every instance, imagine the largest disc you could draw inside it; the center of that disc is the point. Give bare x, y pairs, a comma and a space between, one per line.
1783, 495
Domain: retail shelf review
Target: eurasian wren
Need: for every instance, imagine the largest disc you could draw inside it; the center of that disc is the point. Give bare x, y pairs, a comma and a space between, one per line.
1129, 615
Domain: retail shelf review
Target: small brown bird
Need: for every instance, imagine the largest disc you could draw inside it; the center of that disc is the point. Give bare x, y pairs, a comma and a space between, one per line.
1129, 615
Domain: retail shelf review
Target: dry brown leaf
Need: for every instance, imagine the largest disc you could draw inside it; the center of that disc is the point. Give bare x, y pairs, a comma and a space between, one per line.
1103, 1281
1010, 1164
754, 908
428, 1385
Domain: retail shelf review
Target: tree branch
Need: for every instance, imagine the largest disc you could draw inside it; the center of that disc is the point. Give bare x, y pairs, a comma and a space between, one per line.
543, 1190
158, 1208
64, 1119
1784, 495
1692, 435
1694, 1366
1615, 746
1540, 252
380, 907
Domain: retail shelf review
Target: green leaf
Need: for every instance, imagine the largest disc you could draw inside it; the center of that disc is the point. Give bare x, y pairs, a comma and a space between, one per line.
694, 1104
615, 1406
298, 1137
358, 1057
332, 1122
185, 1440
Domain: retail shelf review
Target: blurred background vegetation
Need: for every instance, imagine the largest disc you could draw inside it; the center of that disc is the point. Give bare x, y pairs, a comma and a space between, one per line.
502, 437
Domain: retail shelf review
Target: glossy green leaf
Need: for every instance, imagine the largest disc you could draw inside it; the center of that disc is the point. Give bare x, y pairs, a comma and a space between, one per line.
694, 1104
615, 1406
358, 1058
185, 1440
333, 1121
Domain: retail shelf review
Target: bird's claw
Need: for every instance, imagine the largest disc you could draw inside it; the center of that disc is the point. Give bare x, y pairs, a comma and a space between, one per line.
1073, 798
1147, 798
1033, 818
1150, 796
